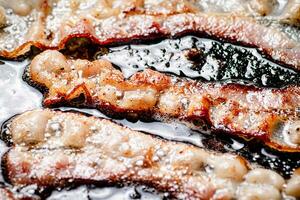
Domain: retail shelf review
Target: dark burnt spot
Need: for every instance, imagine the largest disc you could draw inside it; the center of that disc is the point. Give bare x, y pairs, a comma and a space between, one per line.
26, 78
81, 99
195, 55
4, 168
135, 194
5, 135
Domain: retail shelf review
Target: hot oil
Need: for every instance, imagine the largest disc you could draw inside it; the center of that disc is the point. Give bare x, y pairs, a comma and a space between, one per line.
202, 59
17, 97
107, 193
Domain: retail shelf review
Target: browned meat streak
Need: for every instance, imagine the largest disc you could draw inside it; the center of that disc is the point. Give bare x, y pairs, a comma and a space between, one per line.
52, 148
270, 115
51, 26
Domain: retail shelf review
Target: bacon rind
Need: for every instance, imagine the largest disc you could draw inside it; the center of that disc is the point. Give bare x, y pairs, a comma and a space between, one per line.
245, 111
141, 24
54, 149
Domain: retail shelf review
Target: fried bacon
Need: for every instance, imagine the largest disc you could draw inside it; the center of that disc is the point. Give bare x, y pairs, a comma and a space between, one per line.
51, 25
6, 194
271, 115
53, 149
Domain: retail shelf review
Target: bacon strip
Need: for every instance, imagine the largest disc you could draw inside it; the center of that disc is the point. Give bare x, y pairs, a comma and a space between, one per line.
52, 26
5, 194
52, 148
271, 115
